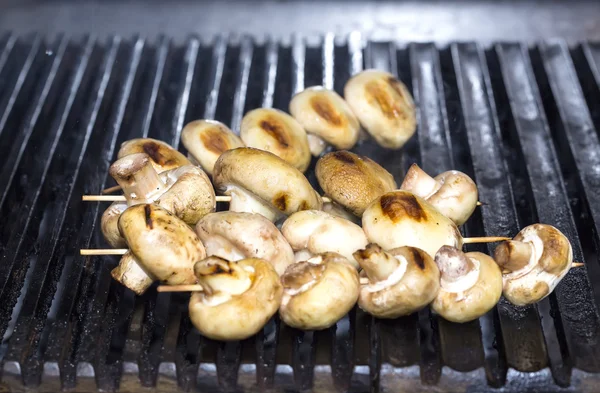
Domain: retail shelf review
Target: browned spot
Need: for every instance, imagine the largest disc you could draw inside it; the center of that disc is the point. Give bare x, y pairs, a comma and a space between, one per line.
148, 215
418, 258
156, 153
276, 130
304, 205
298, 274
344, 156
540, 290
398, 205
368, 252
213, 140
326, 110
281, 201
396, 85
376, 92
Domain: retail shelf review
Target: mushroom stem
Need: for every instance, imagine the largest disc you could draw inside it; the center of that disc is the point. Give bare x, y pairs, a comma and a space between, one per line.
513, 255
138, 178
453, 263
419, 182
316, 144
378, 264
218, 275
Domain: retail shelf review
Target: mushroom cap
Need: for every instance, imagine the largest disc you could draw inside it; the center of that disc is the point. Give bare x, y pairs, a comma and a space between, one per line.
383, 106
190, 194
411, 287
234, 236
319, 232
466, 301
131, 274
206, 140
110, 227
351, 180
242, 315
267, 178
319, 292
163, 245
453, 193
322, 112
400, 218
162, 155
550, 261
277, 132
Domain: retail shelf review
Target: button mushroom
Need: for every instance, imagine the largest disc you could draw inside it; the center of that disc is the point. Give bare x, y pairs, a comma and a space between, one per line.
533, 263
311, 232
470, 285
260, 182
234, 236
401, 281
326, 117
351, 180
164, 246
277, 132
453, 193
238, 299
109, 224
383, 106
400, 218
206, 140
131, 274
318, 292
162, 156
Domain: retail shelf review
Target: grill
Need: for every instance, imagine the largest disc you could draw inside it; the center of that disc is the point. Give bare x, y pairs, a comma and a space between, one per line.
522, 121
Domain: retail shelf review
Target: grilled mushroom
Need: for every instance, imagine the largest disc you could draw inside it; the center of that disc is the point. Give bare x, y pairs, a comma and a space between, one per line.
339, 211
185, 191
277, 132
206, 140
110, 227
351, 180
383, 106
238, 299
234, 236
533, 263
326, 117
401, 281
470, 285
452, 193
318, 292
162, 244
311, 232
162, 156
131, 274
261, 182
400, 218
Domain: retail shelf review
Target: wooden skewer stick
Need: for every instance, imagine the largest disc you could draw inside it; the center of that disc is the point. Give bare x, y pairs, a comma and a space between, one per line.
180, 288
577, 264
121, 198
112, 189
103, 251
484, 239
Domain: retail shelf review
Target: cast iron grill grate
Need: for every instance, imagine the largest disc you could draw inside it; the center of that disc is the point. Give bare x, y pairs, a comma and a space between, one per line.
522, 121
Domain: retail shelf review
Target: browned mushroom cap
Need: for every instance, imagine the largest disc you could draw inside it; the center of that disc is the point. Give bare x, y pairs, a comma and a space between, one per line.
239, 297
260, 182
163, 245
383, 106
109, 224
319, 292
162, 155
351, 180
470, 285
132, 275
235, 236
401, 281
206, 140
277, 132
325, 116
533, 263
400, 218
453, 193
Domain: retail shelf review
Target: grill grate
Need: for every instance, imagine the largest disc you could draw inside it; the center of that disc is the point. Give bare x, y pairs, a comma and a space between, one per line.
523, 122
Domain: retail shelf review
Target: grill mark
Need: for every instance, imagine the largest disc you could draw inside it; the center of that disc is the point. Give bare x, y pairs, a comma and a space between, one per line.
281, 201
155, 151
148, 216
398, 205
396, 85
214, 141
417, 257
345, 157
274, 128
326, 110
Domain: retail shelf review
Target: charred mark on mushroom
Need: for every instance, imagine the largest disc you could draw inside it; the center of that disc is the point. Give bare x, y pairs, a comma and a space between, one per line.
298, 274
154, 150
148, 215
418, 258
378, 94
276, 130
396, 85
326, 110
398, 205
214, 141
281, 201
344, 156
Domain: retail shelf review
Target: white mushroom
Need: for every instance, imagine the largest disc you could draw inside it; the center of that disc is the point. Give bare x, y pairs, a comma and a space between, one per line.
162, 155
234, 236
206, 140
326, 117
238, 299
453, 193
470, 285
400, 281
319, 292
312, 232
533, 263
109, 224
383, 106
132, 274
277, 132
